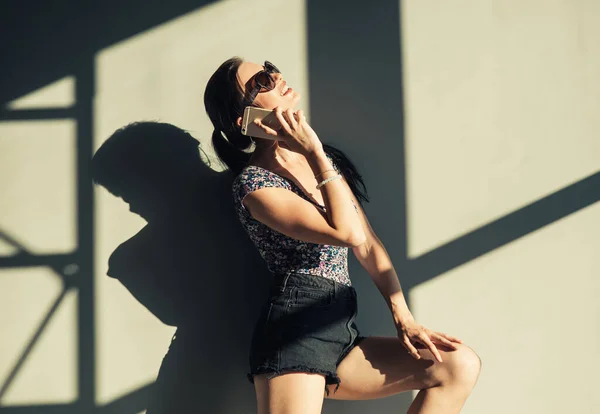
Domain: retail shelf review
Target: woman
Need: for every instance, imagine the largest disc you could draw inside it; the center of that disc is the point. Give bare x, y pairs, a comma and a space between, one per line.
299, 202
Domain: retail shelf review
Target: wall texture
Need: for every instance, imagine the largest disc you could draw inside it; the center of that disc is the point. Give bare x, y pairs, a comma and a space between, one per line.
475, 126
501, 132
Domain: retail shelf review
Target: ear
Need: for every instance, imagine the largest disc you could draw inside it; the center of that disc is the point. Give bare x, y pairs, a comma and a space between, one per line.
239, 121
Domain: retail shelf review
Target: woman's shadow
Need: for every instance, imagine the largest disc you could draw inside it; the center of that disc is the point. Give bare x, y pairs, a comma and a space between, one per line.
192, 265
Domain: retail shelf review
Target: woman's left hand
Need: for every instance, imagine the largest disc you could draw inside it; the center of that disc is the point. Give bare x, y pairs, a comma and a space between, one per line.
412, 333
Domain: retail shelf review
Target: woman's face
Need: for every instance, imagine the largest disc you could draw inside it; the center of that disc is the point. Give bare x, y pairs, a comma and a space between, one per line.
281, 96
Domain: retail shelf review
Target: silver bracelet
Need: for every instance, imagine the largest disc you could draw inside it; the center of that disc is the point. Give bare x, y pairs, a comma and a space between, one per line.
325, 181
326, 171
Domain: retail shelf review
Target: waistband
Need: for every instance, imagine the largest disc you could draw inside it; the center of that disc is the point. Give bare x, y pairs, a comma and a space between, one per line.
282, 282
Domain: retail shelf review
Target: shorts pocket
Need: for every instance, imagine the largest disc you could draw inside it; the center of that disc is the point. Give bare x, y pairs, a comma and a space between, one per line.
310, 297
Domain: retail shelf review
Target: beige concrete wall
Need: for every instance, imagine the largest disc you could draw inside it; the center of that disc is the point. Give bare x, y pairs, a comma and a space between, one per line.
37, 208
502, 103
161, 75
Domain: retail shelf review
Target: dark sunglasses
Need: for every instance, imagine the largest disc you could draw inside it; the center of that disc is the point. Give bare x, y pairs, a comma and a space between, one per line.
262, 81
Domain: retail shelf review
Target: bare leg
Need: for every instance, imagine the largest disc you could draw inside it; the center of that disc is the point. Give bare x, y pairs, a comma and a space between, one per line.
293, 393
379, 367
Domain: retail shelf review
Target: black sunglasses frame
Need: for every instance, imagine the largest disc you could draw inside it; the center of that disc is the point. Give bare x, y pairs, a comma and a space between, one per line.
263, 82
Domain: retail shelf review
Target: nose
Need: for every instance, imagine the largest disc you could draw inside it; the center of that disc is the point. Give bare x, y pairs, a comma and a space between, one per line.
133, 208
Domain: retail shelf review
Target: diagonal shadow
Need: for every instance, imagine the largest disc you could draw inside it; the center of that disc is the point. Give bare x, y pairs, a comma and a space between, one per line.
377, 41
356, 92
65, 42
22, 253
11, 241
51, 38
504, 230
31, 343
24, 258
133, 402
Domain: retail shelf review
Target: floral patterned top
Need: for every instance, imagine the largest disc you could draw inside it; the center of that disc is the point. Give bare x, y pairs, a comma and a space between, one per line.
283, 253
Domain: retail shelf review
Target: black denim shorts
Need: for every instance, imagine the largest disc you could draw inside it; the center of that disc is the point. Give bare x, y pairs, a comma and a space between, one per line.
307, 325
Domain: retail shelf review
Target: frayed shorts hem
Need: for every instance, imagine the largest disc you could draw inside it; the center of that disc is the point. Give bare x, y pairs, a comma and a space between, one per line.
331, 377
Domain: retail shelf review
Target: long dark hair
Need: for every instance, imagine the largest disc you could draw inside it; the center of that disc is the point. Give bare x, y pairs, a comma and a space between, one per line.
224, 104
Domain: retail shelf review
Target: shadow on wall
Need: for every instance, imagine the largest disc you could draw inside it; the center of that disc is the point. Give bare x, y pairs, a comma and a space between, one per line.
356, 104
192, 265
205, 280
356, 92
355, 71
57, 39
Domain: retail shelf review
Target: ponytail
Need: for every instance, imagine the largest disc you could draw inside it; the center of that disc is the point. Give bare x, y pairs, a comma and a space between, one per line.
224, 104
234, 158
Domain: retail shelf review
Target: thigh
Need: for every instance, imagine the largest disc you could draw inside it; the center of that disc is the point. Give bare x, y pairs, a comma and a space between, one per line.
379, 367
292, 393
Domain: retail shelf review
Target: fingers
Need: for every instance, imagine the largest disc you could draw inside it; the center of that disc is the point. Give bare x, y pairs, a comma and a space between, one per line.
268, 130
284, 123
410, 348
290, 118
424, 339
300, 117
443, 341
449, 337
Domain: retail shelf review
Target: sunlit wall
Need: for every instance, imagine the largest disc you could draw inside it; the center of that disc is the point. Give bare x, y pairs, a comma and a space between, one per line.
500, 102
161, 75
37, 189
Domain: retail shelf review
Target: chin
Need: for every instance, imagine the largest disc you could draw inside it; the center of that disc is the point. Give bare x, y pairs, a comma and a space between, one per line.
295, 100
290, 103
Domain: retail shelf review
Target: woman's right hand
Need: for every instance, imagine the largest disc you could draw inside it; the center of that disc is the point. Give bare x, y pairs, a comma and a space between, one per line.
295, 132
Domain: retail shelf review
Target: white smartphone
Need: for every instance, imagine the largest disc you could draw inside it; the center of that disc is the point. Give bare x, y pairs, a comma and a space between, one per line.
267, 117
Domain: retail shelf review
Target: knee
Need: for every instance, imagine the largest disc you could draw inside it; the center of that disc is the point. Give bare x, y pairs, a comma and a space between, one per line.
461, 368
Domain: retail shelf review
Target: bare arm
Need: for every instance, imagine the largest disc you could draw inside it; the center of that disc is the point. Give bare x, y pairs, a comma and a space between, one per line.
373, 256
288, 213
375, 259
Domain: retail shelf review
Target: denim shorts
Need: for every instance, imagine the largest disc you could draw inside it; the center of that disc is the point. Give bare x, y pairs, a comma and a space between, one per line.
307, 325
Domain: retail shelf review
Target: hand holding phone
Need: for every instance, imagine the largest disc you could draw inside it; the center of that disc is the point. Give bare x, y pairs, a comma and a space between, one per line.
266, 116
281, 125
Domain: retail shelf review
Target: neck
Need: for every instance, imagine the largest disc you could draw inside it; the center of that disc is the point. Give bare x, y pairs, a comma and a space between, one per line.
268, 151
